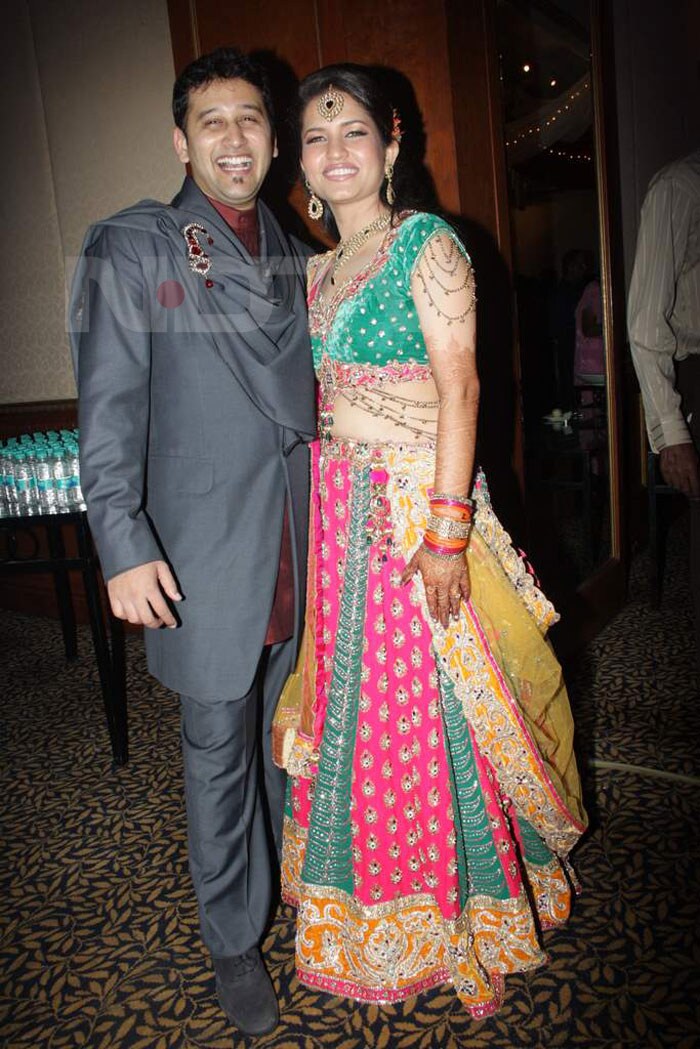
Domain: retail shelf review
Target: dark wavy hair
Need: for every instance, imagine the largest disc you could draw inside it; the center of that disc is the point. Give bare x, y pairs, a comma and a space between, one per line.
367, 85
226, 63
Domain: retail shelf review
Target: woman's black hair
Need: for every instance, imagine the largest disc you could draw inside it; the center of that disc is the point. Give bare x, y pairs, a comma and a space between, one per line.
366, 84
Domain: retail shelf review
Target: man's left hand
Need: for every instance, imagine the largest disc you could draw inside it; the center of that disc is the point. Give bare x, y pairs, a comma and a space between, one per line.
680, 468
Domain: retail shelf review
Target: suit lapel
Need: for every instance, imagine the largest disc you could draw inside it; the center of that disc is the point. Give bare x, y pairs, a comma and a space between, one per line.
254, 311
191, 203
271, 276
279, 266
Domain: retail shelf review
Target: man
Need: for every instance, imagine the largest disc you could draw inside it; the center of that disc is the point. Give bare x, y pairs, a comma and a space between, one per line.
664, 330
196, 393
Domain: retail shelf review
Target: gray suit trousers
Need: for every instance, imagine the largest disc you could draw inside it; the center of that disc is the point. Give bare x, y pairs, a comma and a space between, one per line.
235, 806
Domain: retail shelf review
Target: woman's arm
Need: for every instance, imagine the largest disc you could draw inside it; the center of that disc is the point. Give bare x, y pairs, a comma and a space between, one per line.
444, 295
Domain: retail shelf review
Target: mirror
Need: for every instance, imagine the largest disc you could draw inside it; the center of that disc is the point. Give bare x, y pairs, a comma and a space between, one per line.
550, 144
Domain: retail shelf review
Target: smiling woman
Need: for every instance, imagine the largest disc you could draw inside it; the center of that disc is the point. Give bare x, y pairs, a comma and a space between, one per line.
228, 140
344, 159
434, 795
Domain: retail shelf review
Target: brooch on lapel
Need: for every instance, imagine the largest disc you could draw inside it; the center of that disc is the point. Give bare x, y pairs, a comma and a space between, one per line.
197, 258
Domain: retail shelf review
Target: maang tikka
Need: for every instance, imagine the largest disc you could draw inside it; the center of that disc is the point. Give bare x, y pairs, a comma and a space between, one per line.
330, 104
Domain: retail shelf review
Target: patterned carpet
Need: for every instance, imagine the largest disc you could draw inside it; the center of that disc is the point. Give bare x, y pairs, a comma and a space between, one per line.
99, 932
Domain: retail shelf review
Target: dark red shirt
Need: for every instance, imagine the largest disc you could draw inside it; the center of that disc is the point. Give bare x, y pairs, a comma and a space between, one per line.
243, 223
281, 626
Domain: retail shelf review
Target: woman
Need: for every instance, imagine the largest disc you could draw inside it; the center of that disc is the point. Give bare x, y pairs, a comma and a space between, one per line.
434, 792
589, 357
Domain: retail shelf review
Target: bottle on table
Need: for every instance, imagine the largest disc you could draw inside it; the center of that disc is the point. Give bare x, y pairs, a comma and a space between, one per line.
25, 482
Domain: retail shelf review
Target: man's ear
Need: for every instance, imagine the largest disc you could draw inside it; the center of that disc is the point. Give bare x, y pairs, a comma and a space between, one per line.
180, 145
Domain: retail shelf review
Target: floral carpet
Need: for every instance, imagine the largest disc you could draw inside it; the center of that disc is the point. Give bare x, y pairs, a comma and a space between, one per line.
99, 942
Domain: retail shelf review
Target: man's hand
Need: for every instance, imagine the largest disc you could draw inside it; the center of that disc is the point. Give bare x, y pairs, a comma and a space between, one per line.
137, 595
679, 468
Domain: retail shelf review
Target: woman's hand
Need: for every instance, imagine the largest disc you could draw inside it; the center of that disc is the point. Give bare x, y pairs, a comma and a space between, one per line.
446, 583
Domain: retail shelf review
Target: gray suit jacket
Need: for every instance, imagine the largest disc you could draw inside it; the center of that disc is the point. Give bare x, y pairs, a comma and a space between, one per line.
196, 395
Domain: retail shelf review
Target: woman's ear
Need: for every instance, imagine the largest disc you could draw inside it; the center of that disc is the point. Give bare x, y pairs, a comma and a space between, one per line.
391, 152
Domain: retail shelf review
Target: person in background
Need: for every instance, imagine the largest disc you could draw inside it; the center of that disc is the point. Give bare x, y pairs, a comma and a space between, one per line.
663, 316
575, 269
589, 354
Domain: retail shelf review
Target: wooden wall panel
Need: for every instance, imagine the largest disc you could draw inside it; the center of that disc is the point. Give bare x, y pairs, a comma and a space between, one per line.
16, 419
446, 52
332, 36
483, 206
286, 27
476, 101
411, 37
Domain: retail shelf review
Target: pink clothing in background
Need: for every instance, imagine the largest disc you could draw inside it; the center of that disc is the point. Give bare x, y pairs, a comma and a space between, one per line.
589, 356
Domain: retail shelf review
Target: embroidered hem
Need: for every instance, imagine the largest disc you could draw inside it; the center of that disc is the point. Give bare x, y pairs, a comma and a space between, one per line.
389, 951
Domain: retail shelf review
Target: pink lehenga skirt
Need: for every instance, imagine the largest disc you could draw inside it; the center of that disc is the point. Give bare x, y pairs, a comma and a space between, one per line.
434, 795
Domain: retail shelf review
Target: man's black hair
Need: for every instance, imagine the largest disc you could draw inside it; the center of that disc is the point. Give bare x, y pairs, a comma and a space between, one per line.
226, 63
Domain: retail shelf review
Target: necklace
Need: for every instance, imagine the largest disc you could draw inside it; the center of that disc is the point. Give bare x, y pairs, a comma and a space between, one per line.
347, 248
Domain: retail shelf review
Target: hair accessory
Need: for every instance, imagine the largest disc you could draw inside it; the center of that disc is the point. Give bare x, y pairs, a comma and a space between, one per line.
390, 195
330, 104
314, 208
396, 132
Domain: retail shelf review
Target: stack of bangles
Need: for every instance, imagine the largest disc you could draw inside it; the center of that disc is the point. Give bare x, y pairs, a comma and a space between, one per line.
449, 525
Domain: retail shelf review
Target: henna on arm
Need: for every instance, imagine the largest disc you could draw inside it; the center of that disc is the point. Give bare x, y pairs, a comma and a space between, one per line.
444, 293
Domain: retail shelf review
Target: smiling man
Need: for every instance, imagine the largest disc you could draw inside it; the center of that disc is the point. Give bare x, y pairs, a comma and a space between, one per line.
195, 402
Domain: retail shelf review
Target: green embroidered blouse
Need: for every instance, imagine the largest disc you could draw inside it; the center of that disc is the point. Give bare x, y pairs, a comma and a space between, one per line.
371, 319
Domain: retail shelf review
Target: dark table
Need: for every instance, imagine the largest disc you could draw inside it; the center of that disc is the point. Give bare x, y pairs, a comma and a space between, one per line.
570, 459
107, 631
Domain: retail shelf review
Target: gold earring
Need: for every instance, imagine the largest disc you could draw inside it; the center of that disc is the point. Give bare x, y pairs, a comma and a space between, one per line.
390, 195
314, 208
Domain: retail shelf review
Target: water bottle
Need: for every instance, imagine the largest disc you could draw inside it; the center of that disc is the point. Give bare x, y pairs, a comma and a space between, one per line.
8, 481
4, 505
75, 492
25, 481
46, 490
60, 470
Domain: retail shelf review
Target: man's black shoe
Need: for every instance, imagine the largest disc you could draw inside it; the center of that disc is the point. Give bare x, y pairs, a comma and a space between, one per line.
246, 993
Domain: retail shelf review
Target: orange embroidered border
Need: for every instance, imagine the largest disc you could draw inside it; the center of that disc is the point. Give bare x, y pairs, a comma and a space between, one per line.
389, 951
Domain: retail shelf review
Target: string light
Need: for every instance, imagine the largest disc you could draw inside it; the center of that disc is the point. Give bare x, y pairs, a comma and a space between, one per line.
535, 128
570, 156
526, 67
